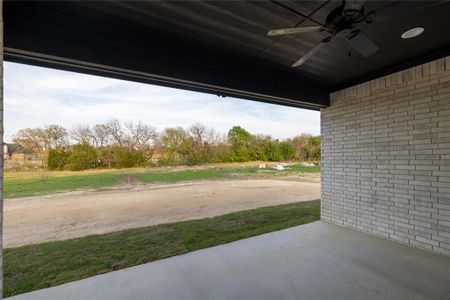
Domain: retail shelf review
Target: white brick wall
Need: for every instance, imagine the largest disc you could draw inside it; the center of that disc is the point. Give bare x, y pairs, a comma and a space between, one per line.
386, 157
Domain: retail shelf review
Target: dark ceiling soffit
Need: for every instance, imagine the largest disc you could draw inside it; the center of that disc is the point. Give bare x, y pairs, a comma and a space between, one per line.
42, 60
395, 68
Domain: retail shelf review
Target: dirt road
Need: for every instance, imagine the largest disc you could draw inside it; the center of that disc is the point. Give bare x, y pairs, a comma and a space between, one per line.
69, 215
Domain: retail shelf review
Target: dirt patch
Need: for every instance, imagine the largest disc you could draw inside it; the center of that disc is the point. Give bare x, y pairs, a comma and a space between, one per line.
69, 215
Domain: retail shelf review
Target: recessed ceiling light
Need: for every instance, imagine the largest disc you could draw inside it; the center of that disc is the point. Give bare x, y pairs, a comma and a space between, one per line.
413, 32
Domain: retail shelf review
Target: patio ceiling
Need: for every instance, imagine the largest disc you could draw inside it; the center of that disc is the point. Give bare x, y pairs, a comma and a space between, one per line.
220, 47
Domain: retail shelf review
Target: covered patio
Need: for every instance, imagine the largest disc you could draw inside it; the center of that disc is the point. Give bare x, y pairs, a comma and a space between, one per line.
379, 72
313, 261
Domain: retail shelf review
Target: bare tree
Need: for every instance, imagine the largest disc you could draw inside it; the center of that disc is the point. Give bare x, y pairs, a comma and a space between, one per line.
140, 136
55, 136
100, 135
212, 137
82, 134
300, 142
115, 131
31, 138
202, 135
41, 140
198, 134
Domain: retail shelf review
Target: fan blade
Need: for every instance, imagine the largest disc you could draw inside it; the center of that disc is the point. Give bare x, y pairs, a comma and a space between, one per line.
311, 52
293, 30
363, 44
352, 7
402, 7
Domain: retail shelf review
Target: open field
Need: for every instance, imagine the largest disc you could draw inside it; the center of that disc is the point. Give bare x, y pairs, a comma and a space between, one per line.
74, 214
64, 226
25, 184
39, 266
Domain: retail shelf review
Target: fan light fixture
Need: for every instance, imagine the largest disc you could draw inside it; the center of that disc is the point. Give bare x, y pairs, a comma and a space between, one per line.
413, 32
344, 23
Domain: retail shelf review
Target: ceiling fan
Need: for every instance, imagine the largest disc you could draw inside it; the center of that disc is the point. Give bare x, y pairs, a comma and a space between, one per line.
343, 22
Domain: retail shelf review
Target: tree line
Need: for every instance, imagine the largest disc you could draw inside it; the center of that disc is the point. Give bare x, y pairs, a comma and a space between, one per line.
122, 145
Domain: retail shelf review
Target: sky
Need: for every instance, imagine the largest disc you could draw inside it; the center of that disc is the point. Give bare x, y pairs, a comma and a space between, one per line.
35, 97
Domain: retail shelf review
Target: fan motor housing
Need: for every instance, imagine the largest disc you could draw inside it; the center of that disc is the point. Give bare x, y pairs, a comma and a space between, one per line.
338, 20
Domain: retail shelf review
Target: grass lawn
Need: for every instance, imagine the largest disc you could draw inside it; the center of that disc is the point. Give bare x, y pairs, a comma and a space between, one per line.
41, 183
33, 267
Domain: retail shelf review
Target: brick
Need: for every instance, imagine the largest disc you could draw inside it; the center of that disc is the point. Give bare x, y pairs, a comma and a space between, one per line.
386, 157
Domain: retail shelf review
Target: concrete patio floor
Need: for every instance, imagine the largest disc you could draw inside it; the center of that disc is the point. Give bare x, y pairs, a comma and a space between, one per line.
312, 261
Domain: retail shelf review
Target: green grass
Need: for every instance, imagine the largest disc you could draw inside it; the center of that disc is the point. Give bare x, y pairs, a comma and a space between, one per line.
33, 267
32, 184
300, 169
15, 188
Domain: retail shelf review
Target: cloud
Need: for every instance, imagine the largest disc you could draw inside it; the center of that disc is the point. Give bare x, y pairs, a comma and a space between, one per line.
38, 96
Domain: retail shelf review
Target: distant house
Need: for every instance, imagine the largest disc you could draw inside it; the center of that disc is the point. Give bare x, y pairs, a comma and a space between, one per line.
17, 157
17, 152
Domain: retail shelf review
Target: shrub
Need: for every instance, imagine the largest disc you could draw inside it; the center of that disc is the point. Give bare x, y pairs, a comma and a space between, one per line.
287, 150
272, 150
57, 159
121, 157
130, 158
82, 157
